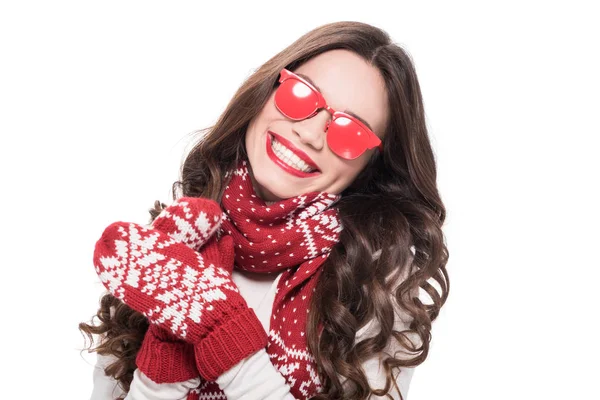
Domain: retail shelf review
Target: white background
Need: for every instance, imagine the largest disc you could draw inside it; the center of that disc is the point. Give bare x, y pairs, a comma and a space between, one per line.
98, 100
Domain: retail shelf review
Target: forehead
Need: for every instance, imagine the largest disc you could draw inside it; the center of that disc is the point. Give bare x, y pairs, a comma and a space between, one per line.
348, 83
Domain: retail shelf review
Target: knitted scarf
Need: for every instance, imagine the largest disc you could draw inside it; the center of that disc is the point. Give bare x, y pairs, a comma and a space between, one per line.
293, 235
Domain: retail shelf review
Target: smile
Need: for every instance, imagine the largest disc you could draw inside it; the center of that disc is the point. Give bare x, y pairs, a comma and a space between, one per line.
289, 160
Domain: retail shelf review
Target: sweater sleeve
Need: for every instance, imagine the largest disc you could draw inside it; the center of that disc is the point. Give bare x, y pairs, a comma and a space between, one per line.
255, 377
105, 387
143, 388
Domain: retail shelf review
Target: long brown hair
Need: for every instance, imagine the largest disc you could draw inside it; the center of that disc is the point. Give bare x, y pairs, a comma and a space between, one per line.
392, 244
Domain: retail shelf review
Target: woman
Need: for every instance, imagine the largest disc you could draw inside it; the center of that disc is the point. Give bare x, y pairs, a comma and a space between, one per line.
323, 156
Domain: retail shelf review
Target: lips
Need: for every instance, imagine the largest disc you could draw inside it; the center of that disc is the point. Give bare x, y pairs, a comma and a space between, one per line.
302, 155
292, 171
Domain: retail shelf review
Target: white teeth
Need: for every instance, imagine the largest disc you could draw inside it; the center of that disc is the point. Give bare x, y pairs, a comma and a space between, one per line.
289, 158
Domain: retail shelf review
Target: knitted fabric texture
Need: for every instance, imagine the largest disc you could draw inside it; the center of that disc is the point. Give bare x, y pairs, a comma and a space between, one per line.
187, 292
293, 235
165, 358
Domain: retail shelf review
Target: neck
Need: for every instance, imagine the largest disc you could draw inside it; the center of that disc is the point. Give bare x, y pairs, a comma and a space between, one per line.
268, 197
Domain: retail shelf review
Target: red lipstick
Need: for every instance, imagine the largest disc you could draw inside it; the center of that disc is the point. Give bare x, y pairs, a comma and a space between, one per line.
296, 151
301, 155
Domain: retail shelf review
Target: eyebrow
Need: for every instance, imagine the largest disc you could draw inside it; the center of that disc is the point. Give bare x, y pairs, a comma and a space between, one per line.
346, 111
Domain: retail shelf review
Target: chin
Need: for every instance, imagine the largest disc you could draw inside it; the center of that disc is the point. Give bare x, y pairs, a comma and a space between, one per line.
276, 193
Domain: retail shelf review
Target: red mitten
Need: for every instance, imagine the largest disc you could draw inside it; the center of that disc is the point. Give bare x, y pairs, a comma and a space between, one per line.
186, 292
163, 357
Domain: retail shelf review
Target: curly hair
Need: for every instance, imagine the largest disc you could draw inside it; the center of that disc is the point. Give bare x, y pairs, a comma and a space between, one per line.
392, 248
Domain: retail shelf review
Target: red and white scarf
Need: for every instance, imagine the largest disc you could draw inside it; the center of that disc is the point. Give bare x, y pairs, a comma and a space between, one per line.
295, 236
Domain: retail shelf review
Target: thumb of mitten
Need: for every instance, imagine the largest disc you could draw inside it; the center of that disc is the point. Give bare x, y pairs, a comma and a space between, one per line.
190, 220
108, 243
219, 252
227, 252
210, 252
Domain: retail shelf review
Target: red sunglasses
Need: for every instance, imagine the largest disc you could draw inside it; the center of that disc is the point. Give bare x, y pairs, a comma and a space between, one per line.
347, 137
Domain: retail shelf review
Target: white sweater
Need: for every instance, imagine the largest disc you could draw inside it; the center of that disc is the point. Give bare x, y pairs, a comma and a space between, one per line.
254, 377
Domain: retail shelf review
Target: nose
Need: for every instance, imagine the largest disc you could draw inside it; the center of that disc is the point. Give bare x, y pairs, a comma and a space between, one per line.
312, 131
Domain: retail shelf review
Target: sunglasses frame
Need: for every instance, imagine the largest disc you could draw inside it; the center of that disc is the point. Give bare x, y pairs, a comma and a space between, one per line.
374, 141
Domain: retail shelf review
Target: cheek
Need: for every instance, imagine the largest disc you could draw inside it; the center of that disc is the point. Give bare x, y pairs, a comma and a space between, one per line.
350, 169
270, 111
261, 121
344, 171
267, 113
251, 133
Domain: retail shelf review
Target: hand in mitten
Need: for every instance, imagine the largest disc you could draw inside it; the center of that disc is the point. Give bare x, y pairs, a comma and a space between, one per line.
163, 357
189, 293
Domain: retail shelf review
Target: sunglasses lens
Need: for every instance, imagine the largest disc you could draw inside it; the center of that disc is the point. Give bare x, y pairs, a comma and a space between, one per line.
346, 139
296, 100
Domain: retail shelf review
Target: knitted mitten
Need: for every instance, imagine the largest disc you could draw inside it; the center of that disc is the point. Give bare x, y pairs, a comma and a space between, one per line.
163, 357
189, 293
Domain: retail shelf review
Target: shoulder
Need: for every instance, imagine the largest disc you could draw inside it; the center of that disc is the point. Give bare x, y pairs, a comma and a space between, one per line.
373, 367
402, 319
105, 387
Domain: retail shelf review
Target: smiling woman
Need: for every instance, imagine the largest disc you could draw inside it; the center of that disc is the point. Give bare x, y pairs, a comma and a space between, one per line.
347, 81
289, 265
